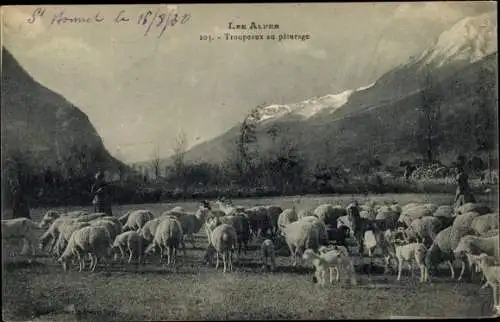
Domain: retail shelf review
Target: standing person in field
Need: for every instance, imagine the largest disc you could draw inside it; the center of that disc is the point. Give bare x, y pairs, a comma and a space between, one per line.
463, 194
20, 206
100, 191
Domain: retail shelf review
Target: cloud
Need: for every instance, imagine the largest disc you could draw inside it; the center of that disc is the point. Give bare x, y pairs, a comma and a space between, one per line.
294, 46
15, 22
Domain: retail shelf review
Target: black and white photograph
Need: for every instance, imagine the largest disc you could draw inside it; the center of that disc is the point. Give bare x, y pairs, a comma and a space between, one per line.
250, 161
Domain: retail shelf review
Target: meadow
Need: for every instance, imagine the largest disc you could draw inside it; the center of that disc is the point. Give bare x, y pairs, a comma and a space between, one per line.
40, 290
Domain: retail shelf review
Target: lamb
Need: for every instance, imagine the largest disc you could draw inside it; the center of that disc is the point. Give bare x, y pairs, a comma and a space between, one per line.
222, 242
287, 217
299, 236
473, 207
50, 216
492, 274
442, 249
331, 260
484, 223
21, 228
137, 219
131, 241
94, 241
168, 236
408, 253
425, 229
329, 214
268, 254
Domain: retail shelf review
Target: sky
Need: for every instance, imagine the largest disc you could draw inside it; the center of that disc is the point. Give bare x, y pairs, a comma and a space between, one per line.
140, 90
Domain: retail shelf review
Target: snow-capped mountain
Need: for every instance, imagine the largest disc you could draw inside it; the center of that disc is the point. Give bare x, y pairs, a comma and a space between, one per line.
469, 40
310, 107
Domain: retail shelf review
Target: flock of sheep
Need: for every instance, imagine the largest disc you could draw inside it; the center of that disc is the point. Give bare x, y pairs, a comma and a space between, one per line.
330, 237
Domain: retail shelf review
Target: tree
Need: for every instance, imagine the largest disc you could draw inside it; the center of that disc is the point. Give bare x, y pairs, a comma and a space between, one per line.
247, 136
179, 151
155, 162
428, 133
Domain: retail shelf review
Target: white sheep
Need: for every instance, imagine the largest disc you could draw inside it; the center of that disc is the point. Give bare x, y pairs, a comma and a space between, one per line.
465, 220
492, 274
90, 217
301, 235
409, 253
191, 224
410, 214
484, 223
477, 245
65, 232
334, 259
149, 229
228, 208
130, 242
52, 234
50, 216
473, 207
123, 218
168, 236
444, 211
222, 242
21, 228
137, 219
268, 254
329, 213
425, 229
114, 228
287, 217
383, 241
94, 241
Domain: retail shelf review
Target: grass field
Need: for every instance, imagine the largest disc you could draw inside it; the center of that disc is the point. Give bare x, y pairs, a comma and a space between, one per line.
42, 291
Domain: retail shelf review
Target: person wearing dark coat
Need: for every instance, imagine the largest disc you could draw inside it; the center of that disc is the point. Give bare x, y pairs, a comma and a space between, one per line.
463, 193
100, 191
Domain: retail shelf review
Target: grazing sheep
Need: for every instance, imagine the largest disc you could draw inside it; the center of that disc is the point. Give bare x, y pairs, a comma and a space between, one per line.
168, 236
268, 254
320, 226
21, 228
259, 220
65, 232
329, 214
331, 260
132, 242
91, 216
287, 217
149, 229
241, 225
443, 247
113, 227
123, 218
299, 236
222, 242
444, 211
137, 219
465, 220
273, 213
50, 216
409, 253
484, 223
94, 241
473, 207
52, 234
492, 274
191, 224
476, 245
425, 229
410, 214
383, 240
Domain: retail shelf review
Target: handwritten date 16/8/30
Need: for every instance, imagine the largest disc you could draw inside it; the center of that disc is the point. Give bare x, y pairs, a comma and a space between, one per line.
161, 20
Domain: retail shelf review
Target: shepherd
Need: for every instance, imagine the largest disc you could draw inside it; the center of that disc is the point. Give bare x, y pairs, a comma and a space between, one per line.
463, 194
100, 190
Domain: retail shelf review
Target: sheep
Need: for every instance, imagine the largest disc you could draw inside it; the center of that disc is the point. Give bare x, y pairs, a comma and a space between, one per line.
444, 211
123, 218
268, 254
114, 228
287, 217
388, 219
425, 229
52, 234
465, 220
299, 236
412, 252
227, 207
359, 225
222, 241
148, 230
473, 207
65, 232
273, 213
91, 216
168, 236
410, 205
410, 214
241, 225
319, 226
484, 223
330, 260
87, 240
137, 219
131, 241
191, 224
442, 249
477, 245
382, 240
492, 274
367, 211
338, 235
21, 228
329, 214
50, 216
305, 213
259, 220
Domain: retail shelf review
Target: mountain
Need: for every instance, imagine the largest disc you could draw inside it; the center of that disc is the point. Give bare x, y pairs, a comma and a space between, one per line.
380, 120
41, 123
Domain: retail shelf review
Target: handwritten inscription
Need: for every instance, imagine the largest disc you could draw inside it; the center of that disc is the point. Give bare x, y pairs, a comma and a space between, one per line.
147, 19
